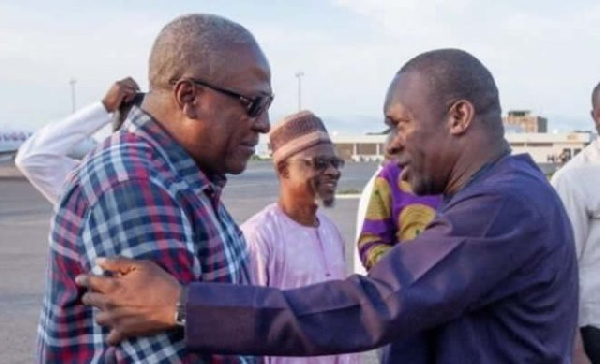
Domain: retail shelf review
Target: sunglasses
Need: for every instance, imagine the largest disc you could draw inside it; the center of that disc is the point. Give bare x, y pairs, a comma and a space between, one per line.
254, 106
320, 165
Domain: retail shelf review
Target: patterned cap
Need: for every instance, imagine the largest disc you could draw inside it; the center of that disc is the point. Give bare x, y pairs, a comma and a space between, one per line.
296, 133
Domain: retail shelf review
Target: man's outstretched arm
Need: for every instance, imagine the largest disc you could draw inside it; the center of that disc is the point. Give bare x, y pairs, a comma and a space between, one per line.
415, 287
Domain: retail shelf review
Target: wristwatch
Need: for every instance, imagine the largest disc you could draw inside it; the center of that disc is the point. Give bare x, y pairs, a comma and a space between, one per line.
180, 311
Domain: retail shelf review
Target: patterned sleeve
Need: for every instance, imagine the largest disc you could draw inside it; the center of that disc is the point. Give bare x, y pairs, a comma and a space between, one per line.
141, 220
378, 230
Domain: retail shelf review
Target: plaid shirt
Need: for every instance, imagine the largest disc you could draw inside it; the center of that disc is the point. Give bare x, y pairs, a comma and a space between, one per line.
141, 196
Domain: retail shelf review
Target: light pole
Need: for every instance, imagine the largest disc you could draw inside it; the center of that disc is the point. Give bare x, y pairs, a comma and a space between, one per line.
72, 82
299, 77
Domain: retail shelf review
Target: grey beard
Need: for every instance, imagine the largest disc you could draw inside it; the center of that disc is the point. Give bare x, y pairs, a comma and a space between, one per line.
327, 201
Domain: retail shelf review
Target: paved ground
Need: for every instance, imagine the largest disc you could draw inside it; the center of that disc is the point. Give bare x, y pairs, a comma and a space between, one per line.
24, 222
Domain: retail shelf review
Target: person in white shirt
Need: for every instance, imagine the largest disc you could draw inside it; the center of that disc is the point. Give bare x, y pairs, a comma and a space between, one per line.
44, 157
363, 203
291, 242
578, 185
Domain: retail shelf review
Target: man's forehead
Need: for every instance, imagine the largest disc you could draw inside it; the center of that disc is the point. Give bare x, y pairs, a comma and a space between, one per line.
406, 87
409, 82
241, 58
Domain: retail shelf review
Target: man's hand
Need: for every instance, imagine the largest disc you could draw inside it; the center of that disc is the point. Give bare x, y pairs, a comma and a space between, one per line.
122, 91
140, 299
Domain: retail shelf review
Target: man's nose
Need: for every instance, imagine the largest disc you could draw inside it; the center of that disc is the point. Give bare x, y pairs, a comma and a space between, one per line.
333, 170
262, 123
395, 144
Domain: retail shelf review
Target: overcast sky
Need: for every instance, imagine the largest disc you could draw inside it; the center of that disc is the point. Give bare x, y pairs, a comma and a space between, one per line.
545, 55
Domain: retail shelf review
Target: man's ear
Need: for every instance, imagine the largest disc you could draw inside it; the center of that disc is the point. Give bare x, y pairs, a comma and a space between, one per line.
187, 98
460, 115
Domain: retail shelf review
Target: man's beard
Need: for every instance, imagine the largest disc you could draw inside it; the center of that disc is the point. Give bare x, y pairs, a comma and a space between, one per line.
327, 199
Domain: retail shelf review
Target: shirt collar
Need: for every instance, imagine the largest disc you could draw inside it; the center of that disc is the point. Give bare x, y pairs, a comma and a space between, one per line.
144, 125
477, 175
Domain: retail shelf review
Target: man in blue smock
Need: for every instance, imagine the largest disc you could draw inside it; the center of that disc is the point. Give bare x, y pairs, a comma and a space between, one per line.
493, 279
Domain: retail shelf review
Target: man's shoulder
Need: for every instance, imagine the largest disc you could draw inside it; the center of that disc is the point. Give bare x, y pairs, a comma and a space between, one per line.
123, 154
587, 159
326, 222
324, 219
121, 158
516, 182
262, 219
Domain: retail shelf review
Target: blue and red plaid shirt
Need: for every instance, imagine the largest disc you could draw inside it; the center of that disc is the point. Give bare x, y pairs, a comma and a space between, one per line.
139, 195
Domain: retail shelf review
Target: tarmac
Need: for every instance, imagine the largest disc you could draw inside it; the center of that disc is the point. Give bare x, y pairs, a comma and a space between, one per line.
24, 226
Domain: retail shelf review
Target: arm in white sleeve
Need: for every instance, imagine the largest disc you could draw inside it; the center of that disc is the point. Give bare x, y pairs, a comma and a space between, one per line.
43, 158
573, 198
363, 203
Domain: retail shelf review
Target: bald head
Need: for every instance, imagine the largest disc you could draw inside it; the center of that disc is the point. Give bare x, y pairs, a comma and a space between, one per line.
194, 45
454, 75
596, 97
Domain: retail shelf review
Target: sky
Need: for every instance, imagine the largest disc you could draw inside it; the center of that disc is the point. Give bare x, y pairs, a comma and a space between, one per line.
545, 55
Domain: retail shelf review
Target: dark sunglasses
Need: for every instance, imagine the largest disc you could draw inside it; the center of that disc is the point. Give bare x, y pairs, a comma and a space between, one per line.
320, 165
254, 106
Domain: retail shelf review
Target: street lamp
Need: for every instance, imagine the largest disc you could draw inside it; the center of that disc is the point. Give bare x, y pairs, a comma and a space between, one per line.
299, 77
72, 82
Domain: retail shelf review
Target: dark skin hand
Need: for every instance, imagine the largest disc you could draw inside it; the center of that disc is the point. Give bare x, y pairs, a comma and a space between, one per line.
121, 91
139, 299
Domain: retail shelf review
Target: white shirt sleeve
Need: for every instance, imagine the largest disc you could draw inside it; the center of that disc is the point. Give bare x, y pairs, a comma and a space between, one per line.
363, 204
574, 200
44, 159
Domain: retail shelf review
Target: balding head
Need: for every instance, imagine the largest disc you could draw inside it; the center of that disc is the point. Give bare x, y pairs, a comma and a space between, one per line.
453, 75
596, 107
194, 45
596, 97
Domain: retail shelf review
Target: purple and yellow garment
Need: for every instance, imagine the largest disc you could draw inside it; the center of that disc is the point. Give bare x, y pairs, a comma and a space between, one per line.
394, 214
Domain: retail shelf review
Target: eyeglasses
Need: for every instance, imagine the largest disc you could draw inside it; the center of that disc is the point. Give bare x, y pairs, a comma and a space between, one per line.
320, 165
254, 106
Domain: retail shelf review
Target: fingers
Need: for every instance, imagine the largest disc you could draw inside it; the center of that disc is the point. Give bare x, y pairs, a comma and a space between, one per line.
95, 299
97, 283
114, 337
120, 91
120, 265
128, 83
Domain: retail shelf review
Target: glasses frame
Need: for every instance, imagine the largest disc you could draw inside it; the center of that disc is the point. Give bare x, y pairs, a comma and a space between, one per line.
254, 106
312, 162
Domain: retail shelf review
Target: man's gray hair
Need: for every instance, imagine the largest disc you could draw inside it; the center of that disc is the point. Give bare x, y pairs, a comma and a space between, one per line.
193, 45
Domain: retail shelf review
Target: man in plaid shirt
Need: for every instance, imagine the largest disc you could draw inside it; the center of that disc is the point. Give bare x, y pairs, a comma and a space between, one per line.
152, 191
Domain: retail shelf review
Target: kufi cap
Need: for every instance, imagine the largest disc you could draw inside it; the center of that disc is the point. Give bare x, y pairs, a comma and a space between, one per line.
296, 133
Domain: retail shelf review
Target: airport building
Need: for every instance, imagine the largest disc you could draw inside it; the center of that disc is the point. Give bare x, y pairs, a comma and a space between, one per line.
522, 120
543, 147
